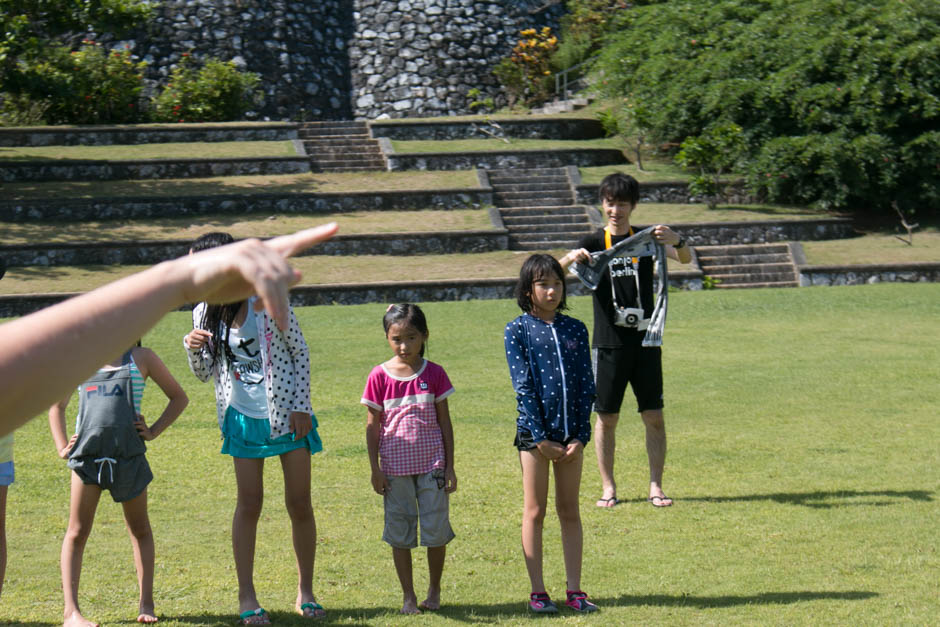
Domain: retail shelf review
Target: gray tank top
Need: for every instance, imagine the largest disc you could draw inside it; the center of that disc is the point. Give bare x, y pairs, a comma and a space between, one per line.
106, 416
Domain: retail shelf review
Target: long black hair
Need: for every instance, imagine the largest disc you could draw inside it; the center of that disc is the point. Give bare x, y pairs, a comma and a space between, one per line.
409, 315
539, 266
217, 319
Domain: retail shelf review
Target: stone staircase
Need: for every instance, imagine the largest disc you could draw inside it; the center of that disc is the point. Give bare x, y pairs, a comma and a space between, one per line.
748, 265
341, 147
538, 209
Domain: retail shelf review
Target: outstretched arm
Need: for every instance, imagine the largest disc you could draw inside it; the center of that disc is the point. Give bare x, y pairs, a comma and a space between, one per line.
95, 327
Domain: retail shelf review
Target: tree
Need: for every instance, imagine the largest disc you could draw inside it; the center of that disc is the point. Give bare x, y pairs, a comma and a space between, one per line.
838, 100
29, 27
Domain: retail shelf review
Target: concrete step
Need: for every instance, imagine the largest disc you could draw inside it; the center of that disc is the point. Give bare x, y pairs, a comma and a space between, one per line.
334, 124
332, 132
341, 140
533, 197
573, 230
529, 201
540, 210
514, 178
350, 153
736, 259
532, 187
513, 222
348, 168
748, 268
526, 244
741, 249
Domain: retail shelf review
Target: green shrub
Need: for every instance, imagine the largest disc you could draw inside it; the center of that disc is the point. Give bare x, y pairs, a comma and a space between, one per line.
714, 153
837, 99
91, 85
21, 110
216, 92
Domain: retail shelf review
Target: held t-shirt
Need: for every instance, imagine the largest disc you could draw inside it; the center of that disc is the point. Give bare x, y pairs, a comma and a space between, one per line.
625, 274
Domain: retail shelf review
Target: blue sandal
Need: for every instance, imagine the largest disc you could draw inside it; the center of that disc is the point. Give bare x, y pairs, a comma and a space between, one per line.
256, 616
316, 610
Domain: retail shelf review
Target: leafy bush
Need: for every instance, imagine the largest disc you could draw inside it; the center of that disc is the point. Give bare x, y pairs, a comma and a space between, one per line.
21, 110
216, 92
713, 153
838, 100
90, 85
526, 74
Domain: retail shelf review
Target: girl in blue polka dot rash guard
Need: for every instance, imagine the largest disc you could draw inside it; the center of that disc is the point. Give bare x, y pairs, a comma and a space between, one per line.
550, 365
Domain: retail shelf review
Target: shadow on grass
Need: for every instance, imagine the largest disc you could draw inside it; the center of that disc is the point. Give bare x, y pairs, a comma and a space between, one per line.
494, 613
823, 499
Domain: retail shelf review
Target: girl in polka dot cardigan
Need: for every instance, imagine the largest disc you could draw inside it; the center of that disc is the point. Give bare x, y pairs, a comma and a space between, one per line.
550, 365
262, 391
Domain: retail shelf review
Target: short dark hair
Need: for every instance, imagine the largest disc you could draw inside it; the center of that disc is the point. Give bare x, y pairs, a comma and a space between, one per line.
536, 267
619, 187
211, 240
407, 314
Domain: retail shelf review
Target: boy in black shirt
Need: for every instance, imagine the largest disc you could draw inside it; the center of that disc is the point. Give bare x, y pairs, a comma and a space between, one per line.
623, 303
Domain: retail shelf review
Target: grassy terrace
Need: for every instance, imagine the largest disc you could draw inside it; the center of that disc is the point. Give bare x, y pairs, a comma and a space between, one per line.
182, 150
320, 182
353, 222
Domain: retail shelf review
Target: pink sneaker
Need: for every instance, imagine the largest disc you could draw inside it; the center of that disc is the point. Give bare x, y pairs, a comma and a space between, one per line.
540, 603
577, 600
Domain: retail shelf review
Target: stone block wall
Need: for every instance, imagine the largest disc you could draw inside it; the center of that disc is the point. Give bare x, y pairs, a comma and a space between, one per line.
336, 59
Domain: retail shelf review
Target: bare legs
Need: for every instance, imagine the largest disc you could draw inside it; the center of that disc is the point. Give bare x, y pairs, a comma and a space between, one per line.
83, 503
3, 534
402, 559
249, 477
535, 502
605, 446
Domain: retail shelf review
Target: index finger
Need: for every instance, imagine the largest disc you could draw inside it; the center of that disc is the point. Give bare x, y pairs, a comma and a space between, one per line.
290, 245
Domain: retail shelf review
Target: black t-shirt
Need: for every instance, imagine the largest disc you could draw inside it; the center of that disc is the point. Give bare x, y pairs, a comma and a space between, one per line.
624, 274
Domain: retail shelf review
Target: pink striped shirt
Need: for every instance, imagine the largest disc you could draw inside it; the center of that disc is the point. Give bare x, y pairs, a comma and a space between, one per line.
410, 441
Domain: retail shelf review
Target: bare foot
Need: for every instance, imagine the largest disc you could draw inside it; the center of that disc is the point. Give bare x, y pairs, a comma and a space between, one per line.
410, 606
75, 619
147, 617
433, 602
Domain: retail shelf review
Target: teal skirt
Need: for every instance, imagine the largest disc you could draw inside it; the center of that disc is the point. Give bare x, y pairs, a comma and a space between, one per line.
244, 436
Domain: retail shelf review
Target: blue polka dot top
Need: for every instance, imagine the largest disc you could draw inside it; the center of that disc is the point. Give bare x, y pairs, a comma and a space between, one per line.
550, 367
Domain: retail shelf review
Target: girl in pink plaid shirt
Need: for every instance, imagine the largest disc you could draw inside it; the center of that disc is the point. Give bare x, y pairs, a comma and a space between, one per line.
411, 449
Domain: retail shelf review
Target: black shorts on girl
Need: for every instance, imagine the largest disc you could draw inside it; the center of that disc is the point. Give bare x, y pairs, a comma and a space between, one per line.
125, 477
524, 441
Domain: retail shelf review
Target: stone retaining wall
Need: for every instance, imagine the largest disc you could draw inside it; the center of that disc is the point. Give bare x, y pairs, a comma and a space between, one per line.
928, 272
78, 210
154, 251
504, 160
674, 192
81, 170
145, 134
440, 130
764, 232
359, 293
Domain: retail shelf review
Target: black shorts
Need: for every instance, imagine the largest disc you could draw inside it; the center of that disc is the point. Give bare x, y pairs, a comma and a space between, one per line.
641, 367
524, 441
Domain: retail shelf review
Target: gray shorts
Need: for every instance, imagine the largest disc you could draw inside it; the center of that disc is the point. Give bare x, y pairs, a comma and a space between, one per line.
411, 498
125, 477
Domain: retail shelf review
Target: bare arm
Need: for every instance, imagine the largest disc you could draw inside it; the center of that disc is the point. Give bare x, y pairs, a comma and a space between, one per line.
97, 326
152, 366
63, 444
373, 428
447, 435
669, 238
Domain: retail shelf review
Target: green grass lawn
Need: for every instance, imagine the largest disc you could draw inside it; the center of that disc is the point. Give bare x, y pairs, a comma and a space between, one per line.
182, 150
802, 457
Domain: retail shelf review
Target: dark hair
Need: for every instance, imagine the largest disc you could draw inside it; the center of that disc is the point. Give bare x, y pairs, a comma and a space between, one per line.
406, 314
539, 266
211, 240
619, 187
217, 319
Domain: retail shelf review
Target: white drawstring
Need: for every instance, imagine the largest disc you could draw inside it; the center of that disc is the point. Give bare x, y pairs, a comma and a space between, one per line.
101, 461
